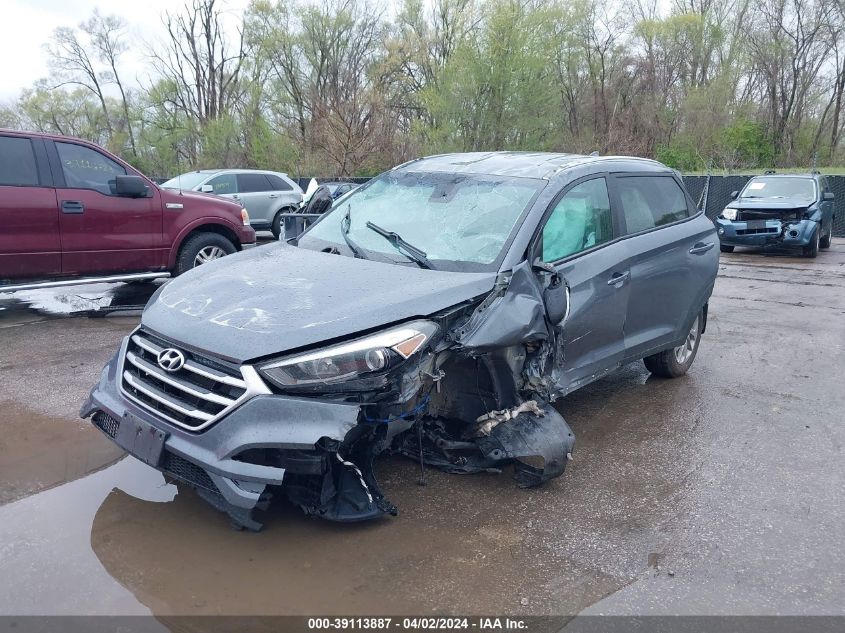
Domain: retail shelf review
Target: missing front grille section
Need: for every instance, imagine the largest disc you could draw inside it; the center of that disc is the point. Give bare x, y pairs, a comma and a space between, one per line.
106, 423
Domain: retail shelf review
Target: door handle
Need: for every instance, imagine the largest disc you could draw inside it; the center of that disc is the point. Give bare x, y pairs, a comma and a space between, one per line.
273, 195
72, 206
701, 247
617, 279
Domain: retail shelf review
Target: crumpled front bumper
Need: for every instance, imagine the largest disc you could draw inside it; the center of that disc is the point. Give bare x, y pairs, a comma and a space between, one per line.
208, 460
765, 233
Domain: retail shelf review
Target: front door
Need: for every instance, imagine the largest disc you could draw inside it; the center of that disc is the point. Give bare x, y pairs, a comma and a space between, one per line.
578, 240
103, 233
29, 216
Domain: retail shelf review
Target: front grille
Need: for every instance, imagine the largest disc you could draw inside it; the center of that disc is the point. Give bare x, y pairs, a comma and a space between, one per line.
186, 471
757, 231
765, 214
193, 397
106, 423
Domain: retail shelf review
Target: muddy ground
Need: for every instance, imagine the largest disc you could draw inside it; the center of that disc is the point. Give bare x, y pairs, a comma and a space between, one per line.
721, 492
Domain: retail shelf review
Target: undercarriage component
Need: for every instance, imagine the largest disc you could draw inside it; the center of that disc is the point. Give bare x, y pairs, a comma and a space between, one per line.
346, 492
538, 446
486, 422
241, 518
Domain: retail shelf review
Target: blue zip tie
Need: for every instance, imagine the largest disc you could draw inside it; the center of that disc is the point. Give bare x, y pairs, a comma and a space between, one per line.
417, 409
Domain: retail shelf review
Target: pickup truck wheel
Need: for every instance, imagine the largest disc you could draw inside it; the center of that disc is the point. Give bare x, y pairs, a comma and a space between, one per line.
201, 249
675, 362
825, 241
726, 249
812, 249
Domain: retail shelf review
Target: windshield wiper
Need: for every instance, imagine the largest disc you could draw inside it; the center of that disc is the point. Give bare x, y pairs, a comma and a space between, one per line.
407, 249
345, 223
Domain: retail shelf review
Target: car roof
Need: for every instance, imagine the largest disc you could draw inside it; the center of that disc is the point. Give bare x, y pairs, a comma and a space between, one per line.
524, 164
805, 176
238, 170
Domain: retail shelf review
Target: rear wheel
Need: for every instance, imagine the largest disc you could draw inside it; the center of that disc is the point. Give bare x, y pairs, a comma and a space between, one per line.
726, 249
675, 362
825, 241
812, 249
202, 248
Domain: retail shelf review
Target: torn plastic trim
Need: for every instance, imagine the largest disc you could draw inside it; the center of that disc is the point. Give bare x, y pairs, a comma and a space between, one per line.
538, 445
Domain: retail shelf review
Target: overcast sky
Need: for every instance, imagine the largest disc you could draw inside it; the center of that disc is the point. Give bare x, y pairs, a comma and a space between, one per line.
27, 25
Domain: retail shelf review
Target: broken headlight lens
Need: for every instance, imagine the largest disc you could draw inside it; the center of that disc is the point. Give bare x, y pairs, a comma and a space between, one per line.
729, 214
348, 361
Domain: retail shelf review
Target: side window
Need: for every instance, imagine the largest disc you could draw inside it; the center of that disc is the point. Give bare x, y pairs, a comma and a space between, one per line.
17, 162
251, 183
580, 220
85, 168
651, 201
226, 183
278, 184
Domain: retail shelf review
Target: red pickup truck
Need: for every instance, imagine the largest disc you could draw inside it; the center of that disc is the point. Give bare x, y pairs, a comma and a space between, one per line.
68, 208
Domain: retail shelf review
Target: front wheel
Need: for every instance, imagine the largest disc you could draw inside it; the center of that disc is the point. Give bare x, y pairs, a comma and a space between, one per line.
825, 241
202, 248
812, 249
675, 362
726, 249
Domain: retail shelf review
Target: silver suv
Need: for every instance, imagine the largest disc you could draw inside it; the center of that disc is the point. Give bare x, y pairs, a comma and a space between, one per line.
264, 194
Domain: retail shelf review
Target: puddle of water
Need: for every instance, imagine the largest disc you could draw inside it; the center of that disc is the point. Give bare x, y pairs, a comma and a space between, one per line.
28, 459
47, 565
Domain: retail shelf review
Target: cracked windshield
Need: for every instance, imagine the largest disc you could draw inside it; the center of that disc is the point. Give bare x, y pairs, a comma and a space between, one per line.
460, 219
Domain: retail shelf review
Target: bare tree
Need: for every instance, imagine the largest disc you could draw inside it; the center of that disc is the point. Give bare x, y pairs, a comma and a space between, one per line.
199, 61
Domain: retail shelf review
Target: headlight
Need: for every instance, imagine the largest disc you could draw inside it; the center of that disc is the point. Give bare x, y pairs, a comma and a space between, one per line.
348, 361
245, 216
729, 214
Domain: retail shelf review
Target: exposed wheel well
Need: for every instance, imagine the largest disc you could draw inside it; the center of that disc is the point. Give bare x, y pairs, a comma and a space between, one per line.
213, 228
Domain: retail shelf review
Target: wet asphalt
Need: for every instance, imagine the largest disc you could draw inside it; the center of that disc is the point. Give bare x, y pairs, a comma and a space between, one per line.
718, 493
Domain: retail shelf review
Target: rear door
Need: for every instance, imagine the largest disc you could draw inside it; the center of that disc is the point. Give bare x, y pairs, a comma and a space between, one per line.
672, 260
29, 218
257, 196
579, 239
102, 232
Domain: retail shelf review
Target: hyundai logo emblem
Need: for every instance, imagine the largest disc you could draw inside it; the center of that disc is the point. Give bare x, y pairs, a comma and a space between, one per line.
171, 359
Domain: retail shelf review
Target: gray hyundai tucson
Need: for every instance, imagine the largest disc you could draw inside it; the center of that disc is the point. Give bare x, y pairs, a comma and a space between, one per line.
435, 312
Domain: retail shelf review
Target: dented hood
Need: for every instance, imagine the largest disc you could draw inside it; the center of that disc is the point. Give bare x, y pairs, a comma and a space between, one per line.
278, 298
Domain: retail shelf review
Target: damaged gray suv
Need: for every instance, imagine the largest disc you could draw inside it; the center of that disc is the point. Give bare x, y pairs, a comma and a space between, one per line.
435, 312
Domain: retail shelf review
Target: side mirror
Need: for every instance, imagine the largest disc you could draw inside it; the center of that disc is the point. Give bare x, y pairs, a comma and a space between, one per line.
131, 187
828, 195
207, 189
734, 194
555, 294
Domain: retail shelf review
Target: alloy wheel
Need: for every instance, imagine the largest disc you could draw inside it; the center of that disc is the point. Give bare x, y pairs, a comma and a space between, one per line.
207, 254
684, 352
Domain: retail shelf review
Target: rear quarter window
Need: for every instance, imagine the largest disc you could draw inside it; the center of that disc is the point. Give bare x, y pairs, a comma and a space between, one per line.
17, 162
278, 184
651, 201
